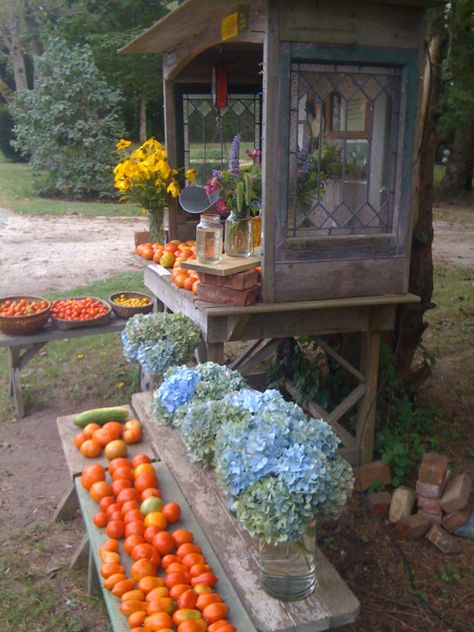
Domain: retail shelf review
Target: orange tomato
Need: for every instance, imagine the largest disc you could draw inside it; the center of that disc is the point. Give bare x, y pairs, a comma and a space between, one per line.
191, 559
214, 612
182, 536
172, 579
143, 467
106, 570
138, 459
123, 586
79, 439
136, 619
188, 283
128, 505
115, 427
119, 462
134, 528
146, 551
149, 583
131, 542
90, 448
185, 614
179, 589
157, 255
143, 568
150, 491
131, 436
110, 545
199, 569
113, 508
150, 533
169, 559
104, 436
115, 529
156, 519
145, 480
163, 542
158, 621
115, 448
128, 494
110, 557
196, 625
172, 512
88, 431
136, 594
100, 519
186, 548
92, 474
157, 593
106, 501
202, 589
147, 253
160, 604
99, 490
114, 579
207, 598
119, 484
180, 279
194, 286
204, 578
133, 515
176, 567
122, 472
223, 626
171, 247
187, 599
128, 607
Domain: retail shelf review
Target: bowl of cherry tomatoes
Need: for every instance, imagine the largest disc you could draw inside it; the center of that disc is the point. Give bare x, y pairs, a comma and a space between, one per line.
23, 314
87, 311
127, 304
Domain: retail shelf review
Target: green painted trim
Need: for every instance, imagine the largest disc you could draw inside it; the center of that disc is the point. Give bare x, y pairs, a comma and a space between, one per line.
353, 54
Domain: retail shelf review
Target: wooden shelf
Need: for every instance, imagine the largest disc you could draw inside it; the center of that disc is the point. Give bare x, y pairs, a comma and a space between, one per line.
226, 267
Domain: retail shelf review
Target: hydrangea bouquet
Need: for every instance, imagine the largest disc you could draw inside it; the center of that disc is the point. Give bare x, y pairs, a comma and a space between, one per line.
184, 386
159, 341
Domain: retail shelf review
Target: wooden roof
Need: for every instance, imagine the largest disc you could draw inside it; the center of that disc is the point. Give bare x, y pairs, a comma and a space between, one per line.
194, 16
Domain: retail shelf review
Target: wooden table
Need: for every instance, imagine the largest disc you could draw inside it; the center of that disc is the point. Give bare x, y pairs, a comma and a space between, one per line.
331, 605
23, 348
266, 323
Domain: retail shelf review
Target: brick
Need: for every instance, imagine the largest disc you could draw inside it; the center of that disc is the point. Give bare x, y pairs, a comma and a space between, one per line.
456, 519
467, 530
428, 491
379, 503
434, 518
431, 505
240, 281
368, 473
443, 540
227, 296
456, 493
403, 501
412, 527
433, 468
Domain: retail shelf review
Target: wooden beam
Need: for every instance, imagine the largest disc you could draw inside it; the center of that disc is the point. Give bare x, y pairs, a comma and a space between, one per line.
340, 360
347, 403
369, 364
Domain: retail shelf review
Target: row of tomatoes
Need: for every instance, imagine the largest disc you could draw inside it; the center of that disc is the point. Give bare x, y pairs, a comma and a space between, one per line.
131, 507
78, 308
112, 437
169, 253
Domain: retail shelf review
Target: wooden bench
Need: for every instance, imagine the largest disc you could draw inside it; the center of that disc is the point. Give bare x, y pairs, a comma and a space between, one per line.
23, 348
331, 605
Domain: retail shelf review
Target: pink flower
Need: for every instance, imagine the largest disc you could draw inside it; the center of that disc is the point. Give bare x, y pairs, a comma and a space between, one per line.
221, 207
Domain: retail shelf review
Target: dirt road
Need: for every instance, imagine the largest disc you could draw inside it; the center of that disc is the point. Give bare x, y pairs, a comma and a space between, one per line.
38, 254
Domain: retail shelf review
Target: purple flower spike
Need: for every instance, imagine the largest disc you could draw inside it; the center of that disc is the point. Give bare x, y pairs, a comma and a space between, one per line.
234, 160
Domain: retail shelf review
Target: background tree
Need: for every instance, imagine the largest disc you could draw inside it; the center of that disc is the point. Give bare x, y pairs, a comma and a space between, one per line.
457, 121
68, 123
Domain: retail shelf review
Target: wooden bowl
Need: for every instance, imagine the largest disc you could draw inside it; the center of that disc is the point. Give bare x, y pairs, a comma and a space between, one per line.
122, 311
19, 325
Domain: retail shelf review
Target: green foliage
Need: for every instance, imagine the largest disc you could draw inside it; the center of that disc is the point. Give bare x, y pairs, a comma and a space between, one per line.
6, 133
68, 123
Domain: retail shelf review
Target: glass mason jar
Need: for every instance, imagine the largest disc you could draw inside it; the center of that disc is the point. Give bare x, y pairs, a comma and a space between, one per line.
288, 569
209, 239
238, 236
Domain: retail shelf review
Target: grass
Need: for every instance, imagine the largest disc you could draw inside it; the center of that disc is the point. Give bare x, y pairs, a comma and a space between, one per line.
17, 193
73, 371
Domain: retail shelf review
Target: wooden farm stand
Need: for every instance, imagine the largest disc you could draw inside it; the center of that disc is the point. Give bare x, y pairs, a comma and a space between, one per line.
334, 88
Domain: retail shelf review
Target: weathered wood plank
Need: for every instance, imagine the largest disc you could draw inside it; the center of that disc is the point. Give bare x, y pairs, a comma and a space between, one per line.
340, 360
76, 462
238, 553
226, 267
369, 365
171, 492
80, 559
67, 506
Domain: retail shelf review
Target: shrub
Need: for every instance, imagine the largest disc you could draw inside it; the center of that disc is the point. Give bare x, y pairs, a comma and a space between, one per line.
69, 123
6, 133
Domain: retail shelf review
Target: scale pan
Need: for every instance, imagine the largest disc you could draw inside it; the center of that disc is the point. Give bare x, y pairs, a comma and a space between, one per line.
194, 199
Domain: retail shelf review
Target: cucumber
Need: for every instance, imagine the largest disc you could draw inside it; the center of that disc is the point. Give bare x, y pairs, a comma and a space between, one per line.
100, 416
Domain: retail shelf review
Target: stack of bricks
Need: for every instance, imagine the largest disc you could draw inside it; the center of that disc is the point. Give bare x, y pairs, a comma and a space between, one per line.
238, 290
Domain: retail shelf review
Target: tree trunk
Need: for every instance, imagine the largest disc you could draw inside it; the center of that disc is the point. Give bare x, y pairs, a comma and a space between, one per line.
10, 37
412, 325
459, 168
5, 92
143, 121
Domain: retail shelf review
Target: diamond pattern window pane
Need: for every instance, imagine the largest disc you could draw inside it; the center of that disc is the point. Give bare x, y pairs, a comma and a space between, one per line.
344, 126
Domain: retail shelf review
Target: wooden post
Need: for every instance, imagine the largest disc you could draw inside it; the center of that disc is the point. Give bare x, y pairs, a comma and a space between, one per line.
369, 366
171, 147
15, 380
215, 352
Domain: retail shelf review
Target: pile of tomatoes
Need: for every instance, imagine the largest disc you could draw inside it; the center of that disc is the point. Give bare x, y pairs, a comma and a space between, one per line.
131, 508
112, 437
22, 307
168, 254
78, 308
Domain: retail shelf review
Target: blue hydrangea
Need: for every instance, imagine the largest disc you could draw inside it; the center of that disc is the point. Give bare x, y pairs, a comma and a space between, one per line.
175, 390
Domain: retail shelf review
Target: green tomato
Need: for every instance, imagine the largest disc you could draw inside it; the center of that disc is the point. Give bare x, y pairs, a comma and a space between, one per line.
151, 504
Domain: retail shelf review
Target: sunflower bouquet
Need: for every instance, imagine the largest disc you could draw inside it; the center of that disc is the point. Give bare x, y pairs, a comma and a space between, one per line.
145, 176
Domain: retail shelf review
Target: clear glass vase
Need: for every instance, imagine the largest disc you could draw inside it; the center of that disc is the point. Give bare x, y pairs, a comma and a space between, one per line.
288, 569
238, 241
155, 221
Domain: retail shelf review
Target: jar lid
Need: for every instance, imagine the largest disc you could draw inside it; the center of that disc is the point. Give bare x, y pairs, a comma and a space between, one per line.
209, 217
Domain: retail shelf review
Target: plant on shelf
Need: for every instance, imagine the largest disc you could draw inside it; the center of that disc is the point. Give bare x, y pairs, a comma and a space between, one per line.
146, 177
159, 341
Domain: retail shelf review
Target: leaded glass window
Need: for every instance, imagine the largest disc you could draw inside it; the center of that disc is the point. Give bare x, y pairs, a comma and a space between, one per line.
208, 134
344, 143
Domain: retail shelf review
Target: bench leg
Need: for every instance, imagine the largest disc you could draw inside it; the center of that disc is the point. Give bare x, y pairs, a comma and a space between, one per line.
15, 381
68, 505
215, 352
93, 584
80, 559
